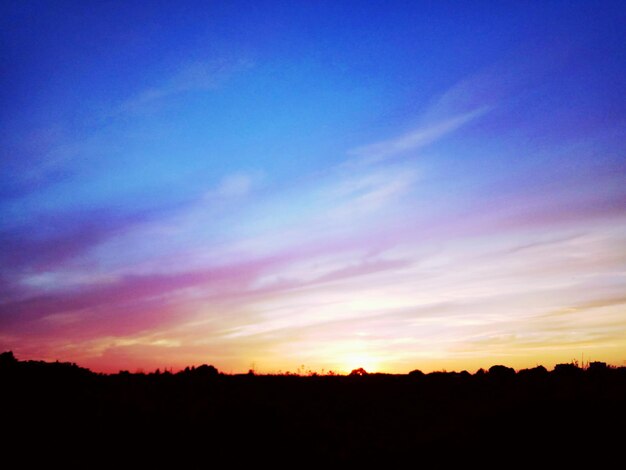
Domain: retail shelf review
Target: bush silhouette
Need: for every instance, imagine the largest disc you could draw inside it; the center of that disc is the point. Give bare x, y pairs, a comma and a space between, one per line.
567, 370
501, 372
534, 373
597, 367
205, 371
7, 359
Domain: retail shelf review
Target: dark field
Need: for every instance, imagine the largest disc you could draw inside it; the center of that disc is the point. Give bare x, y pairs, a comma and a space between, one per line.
202, 417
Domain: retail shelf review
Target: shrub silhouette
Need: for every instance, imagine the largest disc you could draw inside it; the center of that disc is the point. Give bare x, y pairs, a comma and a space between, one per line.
567, 370
534, 373
416, 373
597, 367
205, 371
7, 359
501, 372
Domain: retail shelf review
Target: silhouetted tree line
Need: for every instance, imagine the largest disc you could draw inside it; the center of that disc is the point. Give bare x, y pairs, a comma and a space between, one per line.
200, 415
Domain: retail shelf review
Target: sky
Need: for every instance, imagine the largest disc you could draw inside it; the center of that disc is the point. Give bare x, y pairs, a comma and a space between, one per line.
295, 186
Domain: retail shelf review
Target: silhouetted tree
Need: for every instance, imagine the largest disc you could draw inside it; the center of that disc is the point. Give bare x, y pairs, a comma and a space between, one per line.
534, 373
7, 359
501, 372
206, 371
567, 370
597, 366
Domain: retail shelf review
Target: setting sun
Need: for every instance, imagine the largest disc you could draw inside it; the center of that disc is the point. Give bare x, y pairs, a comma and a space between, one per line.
365, 361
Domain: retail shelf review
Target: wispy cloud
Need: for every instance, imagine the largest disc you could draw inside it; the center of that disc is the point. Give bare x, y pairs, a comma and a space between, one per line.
465, 101
196, 76
235, 185
414, 139
369, 191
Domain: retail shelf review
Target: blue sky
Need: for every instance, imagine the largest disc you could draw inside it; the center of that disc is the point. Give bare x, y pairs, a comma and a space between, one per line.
381, 184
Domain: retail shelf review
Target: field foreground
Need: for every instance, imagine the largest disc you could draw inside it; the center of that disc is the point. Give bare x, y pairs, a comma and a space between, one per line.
199, 415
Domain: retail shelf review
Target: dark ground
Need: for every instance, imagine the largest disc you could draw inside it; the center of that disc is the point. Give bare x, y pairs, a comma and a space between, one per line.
198, 418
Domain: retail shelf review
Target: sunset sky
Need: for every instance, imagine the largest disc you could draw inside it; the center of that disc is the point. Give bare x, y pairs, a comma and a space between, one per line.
320, 185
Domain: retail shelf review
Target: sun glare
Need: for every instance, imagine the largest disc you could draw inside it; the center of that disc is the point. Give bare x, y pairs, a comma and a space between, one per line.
360, 360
